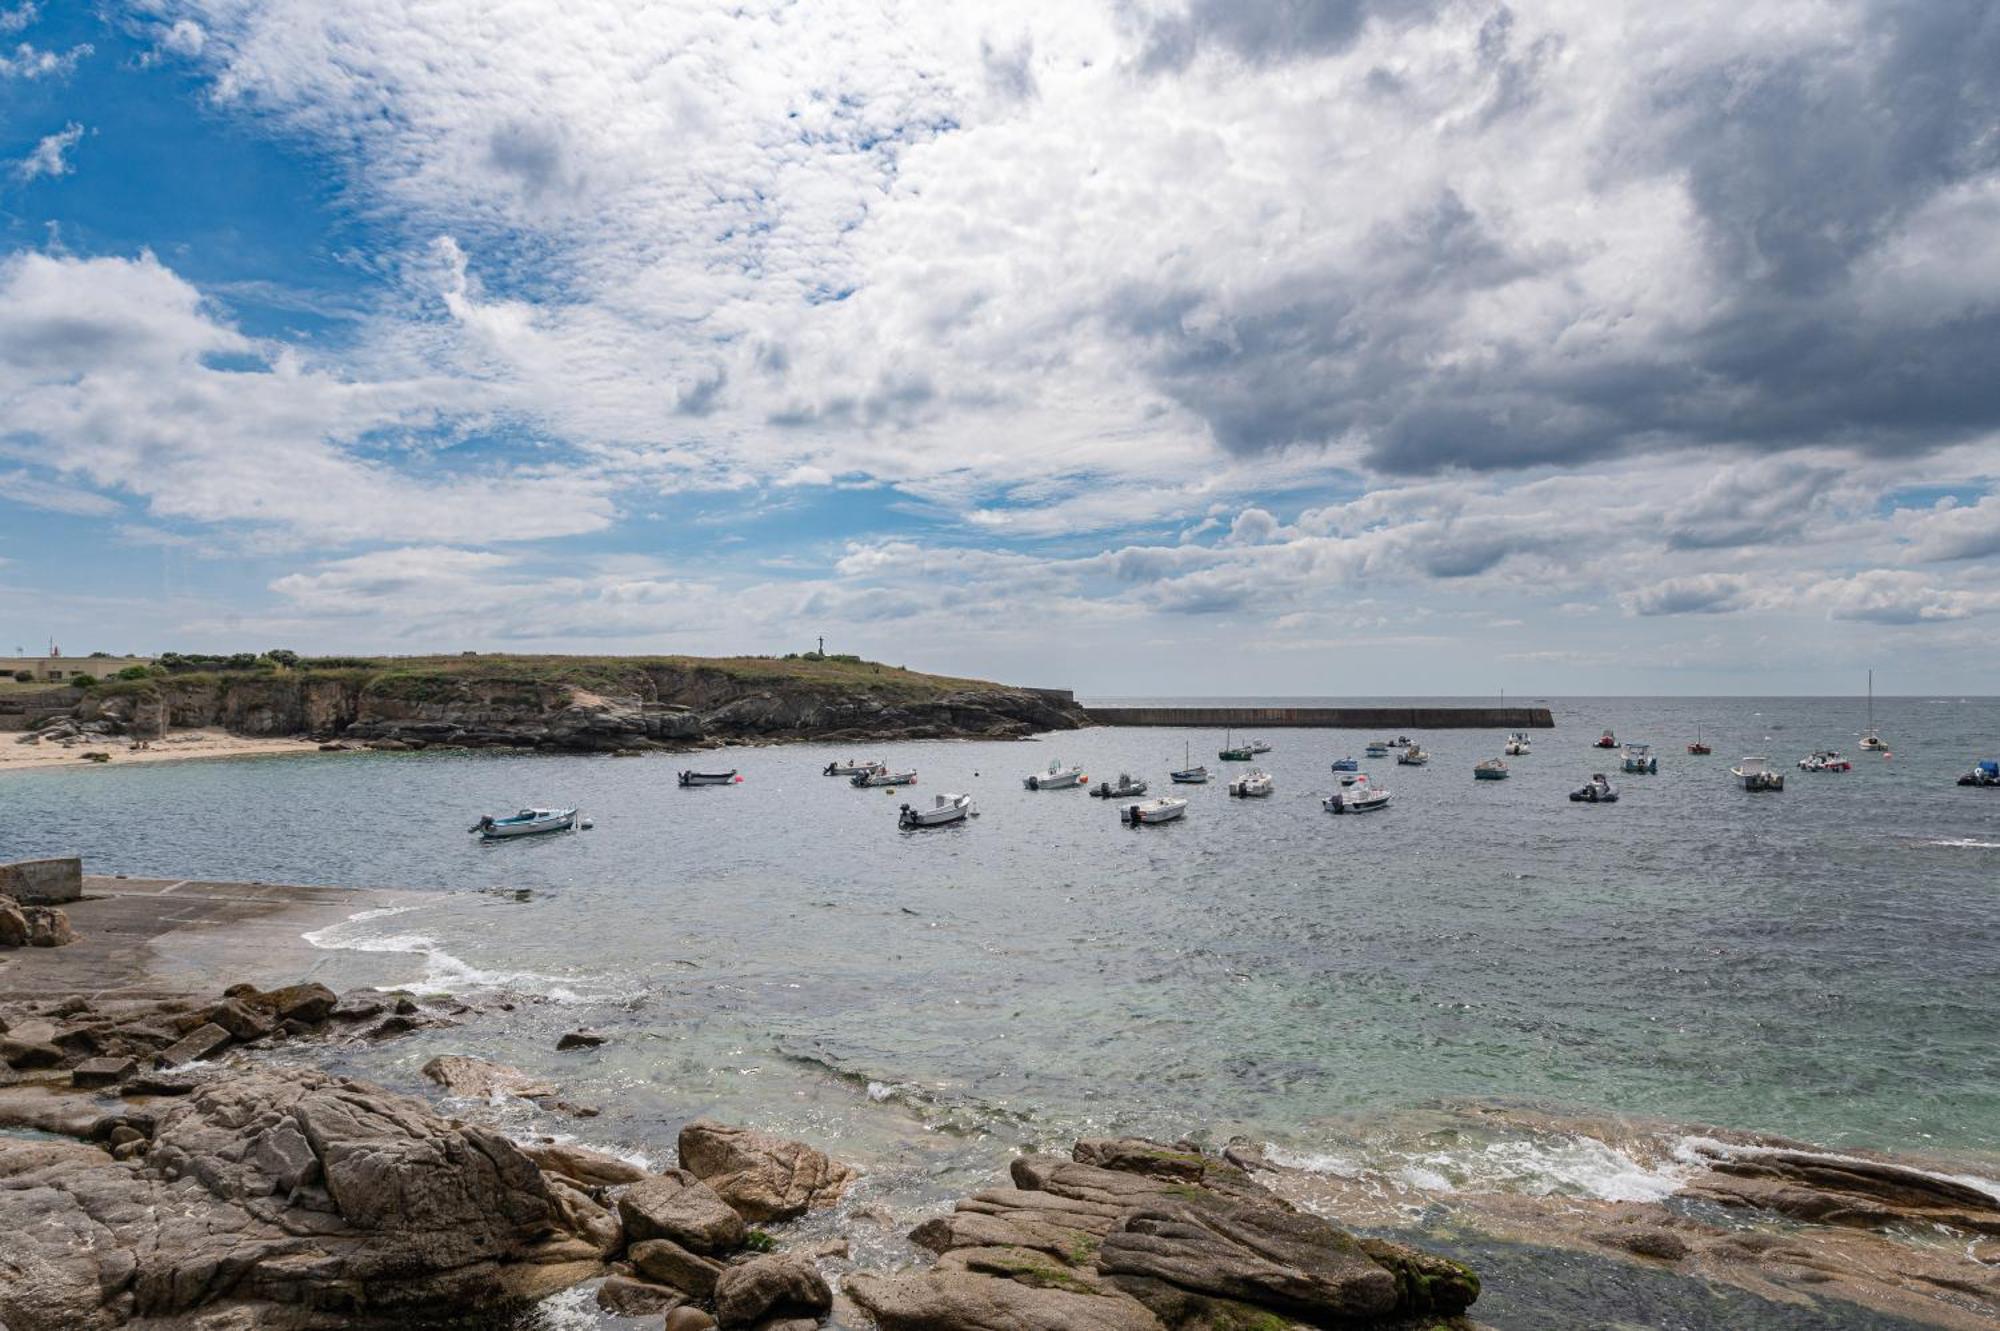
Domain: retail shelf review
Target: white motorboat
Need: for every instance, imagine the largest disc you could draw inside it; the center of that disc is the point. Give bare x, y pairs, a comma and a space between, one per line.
1757, 774
882, 776
1126, 787
1151, 812
1254, 784
1824, 760
1415, 755
710, 778
1357, 796
1517, 744
1641, 758
528, 822
1258, 746
1597, 790
1057, 777
945, 809
854, 767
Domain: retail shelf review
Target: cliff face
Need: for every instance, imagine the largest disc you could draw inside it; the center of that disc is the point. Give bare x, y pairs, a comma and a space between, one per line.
668, 703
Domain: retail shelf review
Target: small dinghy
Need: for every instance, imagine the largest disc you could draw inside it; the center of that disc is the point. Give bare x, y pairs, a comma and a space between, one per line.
1254, 784
1640, 758
1757, 774
1490, 770
1825, 760
1126, 787
1162, 810
853, 767
1517, 744
1607, 741
1356, 796
528, 822
1985, 773
1057, 777
944, 810
1598, 790
1416, 755
1258, 746
1347, 764
710, 778
882, 776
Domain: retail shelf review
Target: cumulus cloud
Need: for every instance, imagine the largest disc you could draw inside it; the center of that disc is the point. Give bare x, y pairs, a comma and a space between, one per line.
49, 156
1708, 594
28, 61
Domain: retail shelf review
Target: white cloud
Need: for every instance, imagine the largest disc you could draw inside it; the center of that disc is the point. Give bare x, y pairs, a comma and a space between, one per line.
48, 157
31, 62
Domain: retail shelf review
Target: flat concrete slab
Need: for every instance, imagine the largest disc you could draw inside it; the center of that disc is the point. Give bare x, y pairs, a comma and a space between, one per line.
163, 936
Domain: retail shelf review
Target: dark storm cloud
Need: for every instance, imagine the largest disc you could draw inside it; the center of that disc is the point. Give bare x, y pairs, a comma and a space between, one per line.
1800, 171
1270, 31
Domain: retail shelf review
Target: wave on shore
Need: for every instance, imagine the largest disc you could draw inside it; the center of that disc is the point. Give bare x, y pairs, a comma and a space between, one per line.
443, 973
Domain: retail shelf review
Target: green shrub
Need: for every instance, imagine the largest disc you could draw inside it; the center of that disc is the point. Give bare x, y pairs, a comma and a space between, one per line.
25, 676
135, 672
83, 681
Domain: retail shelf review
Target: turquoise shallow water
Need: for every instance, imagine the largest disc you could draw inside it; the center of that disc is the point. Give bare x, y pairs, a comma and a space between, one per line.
1823, 963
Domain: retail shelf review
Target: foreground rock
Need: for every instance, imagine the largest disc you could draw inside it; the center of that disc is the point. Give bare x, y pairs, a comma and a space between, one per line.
296, 1198
762, 1177
1134, 1236
33, 926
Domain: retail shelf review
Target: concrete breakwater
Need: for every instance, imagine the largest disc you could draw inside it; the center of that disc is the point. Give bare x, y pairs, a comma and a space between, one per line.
1332, 718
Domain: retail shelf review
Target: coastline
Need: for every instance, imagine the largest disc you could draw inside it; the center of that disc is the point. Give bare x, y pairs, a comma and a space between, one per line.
201, 742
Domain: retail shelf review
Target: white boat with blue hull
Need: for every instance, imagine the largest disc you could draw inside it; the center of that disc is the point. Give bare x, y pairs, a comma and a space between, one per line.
1189, 774
944, 811
1056, 777
528, 822
1347, 764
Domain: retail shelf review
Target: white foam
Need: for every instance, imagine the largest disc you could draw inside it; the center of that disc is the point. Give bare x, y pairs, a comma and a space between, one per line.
1532, 1166
1965, 842
443, 972
1703, 1151
1313, 1162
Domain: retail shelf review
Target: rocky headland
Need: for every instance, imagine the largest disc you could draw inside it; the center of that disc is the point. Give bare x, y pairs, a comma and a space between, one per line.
560, 704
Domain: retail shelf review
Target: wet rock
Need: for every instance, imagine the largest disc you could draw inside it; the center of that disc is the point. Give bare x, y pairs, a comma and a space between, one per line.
688, 1319
155, 1083
242, 1021
359, 1005
1645, 1241
102, 1071
199, 1043
961, 1301
778, 1285
307, 1003
623, 1296
680, 1207
579, 1040
477, 1078
1842, 1190
583, 1166
668, 1263
763, 1177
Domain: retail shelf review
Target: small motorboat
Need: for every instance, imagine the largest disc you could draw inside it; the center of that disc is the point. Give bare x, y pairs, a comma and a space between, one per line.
1416, 755
1357, 796
944, 810
1517, 744
1258, 746
1986, 773
1490, 770
710, 778
1597, 790
1057, 777
1162, 810
1254, 784
1824, 760
854, 767
1641, 758
1757, 774
1698, 747
1607, 741
1347, 764
882, 776
528, 822
1377, 748
1126, 787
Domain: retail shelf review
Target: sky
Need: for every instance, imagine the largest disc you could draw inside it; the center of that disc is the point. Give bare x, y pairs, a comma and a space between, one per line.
1147, 347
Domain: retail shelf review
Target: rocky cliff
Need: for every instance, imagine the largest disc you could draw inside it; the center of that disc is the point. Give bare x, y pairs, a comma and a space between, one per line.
587, 704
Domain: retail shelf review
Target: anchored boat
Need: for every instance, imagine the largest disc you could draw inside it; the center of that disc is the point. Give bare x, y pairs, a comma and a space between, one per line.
1517, 744
1057, 777
1346, 764
1258, 746
882, 776
528, 822
1698, 747
1356, 797
1986, 773
1255, 784
1597, 790
1189, 775
1825, 760
853, 767
945, 809
1126, 787
1641, 758
1607, 741
1162, 810
1377, 748
1416, 755
1871, 741
1235, 753
1490, 770
1757, 774
710, 778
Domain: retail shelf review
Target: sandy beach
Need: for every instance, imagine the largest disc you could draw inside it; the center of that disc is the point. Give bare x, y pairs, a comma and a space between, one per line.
206, 742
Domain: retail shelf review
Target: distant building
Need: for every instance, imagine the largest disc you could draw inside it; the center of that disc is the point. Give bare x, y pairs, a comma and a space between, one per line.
61, 669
